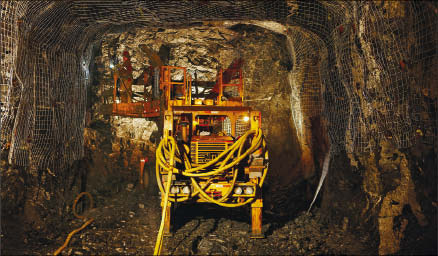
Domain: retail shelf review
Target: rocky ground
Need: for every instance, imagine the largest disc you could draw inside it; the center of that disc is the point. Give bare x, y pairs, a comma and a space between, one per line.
128, 223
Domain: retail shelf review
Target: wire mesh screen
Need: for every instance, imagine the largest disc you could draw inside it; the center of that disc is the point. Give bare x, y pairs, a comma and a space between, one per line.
365, 66
43, 122
8, 50
304, 78
372, 69
8, 37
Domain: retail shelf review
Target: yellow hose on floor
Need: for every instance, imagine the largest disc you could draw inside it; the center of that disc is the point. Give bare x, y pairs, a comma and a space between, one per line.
79, 217
168, 154
159, 242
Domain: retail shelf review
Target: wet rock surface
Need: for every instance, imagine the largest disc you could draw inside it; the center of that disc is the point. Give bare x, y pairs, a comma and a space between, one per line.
128, 224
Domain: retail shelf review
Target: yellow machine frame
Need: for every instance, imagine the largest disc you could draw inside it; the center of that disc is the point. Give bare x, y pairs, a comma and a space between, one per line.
216, 180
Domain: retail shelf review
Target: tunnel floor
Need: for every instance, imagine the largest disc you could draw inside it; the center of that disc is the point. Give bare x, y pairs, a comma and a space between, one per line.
128, 223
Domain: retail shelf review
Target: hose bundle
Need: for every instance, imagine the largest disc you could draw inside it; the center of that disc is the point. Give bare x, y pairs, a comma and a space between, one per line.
168, 154
171, 159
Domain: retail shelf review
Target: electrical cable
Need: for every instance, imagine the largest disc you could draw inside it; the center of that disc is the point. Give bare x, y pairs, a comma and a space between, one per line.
87, 222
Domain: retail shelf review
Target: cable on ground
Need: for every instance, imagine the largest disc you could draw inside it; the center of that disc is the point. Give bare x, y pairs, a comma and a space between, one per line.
87, 222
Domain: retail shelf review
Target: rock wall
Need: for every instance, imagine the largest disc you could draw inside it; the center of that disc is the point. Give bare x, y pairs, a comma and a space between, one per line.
383, 191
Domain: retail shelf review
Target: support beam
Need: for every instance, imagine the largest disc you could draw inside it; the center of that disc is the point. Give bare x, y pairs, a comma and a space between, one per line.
256, 217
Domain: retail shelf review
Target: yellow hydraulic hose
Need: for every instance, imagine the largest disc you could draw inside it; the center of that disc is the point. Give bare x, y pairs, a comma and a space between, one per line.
168, 154
159, 242
161, 162
79, 217
231, 150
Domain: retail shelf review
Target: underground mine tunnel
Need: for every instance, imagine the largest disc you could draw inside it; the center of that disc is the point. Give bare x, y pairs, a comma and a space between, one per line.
207, 127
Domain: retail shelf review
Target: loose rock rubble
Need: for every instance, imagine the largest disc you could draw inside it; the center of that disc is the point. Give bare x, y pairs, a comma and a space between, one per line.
128, 224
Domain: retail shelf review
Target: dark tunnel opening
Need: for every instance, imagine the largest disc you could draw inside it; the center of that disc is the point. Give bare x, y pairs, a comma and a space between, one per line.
343, 87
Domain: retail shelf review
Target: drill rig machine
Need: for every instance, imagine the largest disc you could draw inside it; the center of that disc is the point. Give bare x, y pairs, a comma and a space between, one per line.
212, 150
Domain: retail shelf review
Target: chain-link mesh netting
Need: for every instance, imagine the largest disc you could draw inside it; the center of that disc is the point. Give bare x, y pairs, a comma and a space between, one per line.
374, 61
306, 49
366, 66
9, 87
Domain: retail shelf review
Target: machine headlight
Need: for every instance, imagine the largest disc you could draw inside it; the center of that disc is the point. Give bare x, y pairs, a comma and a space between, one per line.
246, 118
249, 190
174, 190
186, 190
238, 191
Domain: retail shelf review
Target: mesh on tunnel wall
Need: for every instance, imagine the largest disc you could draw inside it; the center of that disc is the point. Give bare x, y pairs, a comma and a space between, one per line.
305, 81
375, 52
363, 65
374, 63
8, 50
43, 122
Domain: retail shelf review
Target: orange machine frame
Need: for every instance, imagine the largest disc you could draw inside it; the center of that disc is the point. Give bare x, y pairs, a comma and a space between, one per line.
145, 108
167, 86
239, 85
